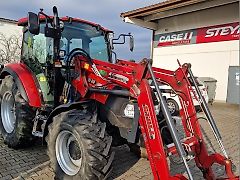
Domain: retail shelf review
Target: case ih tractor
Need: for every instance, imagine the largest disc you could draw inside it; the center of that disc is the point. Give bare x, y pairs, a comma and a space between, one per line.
69, 90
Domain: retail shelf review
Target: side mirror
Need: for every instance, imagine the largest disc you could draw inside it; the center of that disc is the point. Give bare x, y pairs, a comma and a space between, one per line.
131, 43
33, 23
116, 41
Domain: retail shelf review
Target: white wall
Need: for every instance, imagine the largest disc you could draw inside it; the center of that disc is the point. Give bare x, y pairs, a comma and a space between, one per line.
207, 59
10, 28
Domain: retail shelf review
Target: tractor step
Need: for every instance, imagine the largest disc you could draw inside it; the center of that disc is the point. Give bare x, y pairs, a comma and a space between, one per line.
39, 125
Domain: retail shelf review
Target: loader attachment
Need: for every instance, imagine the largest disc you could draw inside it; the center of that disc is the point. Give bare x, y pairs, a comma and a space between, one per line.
193, 145
207, 112
87, 74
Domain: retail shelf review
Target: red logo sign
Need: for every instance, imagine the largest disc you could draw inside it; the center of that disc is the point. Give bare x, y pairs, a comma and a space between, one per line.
149, 123
224, 32
183, 37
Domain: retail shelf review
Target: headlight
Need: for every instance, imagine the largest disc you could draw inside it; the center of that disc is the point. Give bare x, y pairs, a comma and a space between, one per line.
129, 110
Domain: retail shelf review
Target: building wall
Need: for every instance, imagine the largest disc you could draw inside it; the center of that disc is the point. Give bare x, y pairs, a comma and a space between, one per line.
10, 29
10, 32
207, 59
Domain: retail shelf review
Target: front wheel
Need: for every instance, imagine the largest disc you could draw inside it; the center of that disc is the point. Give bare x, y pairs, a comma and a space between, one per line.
79, 147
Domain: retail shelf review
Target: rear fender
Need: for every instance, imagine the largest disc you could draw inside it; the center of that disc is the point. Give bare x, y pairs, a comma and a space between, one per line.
25, 81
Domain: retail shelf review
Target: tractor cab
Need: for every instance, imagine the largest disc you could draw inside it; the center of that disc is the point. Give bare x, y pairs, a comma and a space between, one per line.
46, 46
97, 41
39, 44
75, 33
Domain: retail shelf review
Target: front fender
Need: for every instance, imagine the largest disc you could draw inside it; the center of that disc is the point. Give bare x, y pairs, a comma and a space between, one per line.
25, 82
63, 108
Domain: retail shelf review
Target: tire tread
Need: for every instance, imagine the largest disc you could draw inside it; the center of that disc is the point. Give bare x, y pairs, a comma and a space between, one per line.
94, 137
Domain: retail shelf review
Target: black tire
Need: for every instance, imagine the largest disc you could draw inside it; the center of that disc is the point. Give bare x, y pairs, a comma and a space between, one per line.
174, 109
139, 149
90, 138
21, 136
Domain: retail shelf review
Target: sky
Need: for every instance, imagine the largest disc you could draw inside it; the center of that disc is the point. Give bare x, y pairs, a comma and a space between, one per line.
103, 12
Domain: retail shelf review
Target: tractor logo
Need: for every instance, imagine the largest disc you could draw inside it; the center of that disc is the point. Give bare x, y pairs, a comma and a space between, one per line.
149, 122
118, 77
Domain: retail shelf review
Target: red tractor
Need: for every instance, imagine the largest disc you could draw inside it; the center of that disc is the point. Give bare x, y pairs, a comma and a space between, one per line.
69, 90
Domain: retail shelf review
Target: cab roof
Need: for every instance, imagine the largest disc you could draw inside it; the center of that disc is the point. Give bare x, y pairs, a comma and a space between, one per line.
24, 21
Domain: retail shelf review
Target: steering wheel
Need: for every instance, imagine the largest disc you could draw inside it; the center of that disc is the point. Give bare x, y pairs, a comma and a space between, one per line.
75, 52
82, 52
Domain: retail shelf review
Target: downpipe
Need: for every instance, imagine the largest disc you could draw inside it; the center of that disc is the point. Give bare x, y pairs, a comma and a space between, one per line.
170, 123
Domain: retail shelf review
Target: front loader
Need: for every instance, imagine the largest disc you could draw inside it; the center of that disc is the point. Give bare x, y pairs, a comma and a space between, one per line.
69, 90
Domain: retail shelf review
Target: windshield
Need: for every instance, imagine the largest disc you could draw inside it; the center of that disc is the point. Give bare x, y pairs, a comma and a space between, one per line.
38, 49
87, 37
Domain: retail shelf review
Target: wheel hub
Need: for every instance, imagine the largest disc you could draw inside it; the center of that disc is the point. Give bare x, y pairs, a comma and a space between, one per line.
68, 153
8, 112
74, 150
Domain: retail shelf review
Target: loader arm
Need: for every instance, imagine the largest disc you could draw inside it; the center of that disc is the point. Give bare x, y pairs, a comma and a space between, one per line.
134, 78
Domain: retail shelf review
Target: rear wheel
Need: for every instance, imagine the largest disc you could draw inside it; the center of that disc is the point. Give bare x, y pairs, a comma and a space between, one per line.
79, 147
16, 116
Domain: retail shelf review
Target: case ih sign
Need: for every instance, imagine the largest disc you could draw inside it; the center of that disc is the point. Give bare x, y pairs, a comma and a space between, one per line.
224, 32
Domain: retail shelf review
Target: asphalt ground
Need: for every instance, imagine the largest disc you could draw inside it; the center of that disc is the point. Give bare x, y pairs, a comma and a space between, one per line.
33, 163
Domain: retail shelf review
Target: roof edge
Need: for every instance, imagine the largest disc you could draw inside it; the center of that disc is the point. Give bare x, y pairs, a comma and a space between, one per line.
161, 5
24, 21
12, 21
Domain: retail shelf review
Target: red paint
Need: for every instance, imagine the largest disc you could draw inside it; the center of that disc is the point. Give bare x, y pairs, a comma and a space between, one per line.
150, 130
28, 82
